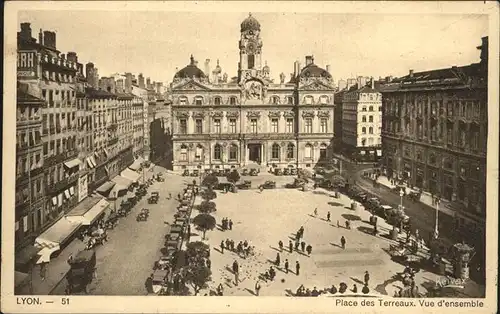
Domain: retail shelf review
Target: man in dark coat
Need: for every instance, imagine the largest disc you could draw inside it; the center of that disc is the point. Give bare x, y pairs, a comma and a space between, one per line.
236, 269
222, 246
280, 244
367, 277
286, 266
278, 260
342, 242
149, 284
303, 246
230, 224
309, 249
297, 268
290, 246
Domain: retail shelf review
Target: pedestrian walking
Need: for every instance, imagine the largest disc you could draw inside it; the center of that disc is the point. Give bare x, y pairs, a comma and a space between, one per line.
272, 273
245, 244
222, 246
278, 259
220, 290
342, 242
230, 224
236, 269
355, 289
328, 216
367, 277
290, 246
43, 270
309, 249
286, 266
149, 284
316, 211
257, 287
280, 244
303, 246
347, 224
297, 268
301, 230
297, 243
232, 245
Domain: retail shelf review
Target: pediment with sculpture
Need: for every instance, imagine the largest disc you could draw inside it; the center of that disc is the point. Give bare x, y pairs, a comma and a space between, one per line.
191, 85
317, 84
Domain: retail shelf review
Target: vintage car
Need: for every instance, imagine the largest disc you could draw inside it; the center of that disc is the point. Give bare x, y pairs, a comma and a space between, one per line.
254, 172
245, 185
153, 198
372, 204
293, 171
143, 215
244, 172
159, 281
286, 171
278, 172
185, 173
195, 173
268, 185
320, 171
81, 273
176, 228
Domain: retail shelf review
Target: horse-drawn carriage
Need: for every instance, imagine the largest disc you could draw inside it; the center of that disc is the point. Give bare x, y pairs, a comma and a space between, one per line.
97, 237
111, 221
153, 198
81, 273
143, 215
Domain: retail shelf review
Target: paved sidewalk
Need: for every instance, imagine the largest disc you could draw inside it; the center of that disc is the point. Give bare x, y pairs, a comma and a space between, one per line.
426, 197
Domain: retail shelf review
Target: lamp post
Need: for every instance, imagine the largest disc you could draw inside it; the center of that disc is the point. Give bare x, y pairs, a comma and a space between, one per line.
436, 227
401, 194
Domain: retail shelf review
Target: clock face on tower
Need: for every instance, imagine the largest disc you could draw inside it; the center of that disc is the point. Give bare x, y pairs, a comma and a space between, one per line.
251, 48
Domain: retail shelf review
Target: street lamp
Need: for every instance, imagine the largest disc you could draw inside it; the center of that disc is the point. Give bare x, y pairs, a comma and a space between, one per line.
401, 194
436, 227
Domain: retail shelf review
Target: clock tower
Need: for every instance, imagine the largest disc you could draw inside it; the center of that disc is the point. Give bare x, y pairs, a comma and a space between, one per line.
250, 64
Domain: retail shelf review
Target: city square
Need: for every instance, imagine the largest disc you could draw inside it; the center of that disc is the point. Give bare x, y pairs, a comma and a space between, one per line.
270, 179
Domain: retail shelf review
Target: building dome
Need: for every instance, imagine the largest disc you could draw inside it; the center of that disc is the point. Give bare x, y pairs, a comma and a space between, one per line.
190, 71
250, 24
312, 70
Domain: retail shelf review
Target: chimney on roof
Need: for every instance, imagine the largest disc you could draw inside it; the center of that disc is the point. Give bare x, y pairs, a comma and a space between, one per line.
141, 80
373, 83
72, 57
296, 68
40, 37
309, 60
411, 73
49, 39
484, 49
25, 31
328, 68
128, 82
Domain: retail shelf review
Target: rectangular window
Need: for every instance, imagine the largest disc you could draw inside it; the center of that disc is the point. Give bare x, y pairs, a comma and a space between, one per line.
289, 126
370, 119
199, 126
232, 125
308, 151
251, 61
183, 126
324, 125
183, 156
217, 128
308, 125
253, 125
274, 125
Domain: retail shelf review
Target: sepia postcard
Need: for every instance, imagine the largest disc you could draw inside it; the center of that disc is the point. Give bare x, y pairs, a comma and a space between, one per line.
247, 157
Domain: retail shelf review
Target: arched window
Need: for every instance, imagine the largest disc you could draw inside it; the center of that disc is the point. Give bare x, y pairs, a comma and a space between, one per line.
363, 130
370, 118
275, 151
251, 61
322, 151
199, 152
370, 130
323, 100
290, 151
308, 151
233, 152
183, 100
363, 108
217, 152
198, 100
308, 100
275, 100
184, 153
232, 101
370, 108
290, 100
217, 101
363, 119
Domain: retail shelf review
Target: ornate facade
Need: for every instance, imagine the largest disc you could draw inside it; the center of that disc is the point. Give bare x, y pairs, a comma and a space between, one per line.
434, 135
225, 123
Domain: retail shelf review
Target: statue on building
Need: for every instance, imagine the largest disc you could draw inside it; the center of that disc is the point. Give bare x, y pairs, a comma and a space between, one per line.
253, 91
282, 78
224, 78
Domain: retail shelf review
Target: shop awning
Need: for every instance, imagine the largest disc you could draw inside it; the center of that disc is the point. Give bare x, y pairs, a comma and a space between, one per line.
135, 165
66, 193
106, 187
54, 200
92, 159
140, 159
72, 190
105, 151
131, 175
26, 255
88, 210
89, 163
20, 279
73, 163
50, 241
122, 181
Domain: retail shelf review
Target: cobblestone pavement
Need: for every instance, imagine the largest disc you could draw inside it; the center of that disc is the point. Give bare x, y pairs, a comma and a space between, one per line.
124, 263
265, 218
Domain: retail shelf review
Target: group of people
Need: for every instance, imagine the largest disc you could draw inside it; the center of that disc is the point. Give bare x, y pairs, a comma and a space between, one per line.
306, 292
227, 224
243, 248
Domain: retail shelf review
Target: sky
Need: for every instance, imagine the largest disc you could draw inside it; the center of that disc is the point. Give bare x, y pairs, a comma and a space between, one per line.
155, 43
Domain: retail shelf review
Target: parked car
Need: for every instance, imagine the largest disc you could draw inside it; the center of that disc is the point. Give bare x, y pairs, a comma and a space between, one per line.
244, 172
223, 186
278, 172
372, 203
293, 171
185, 173
268, 185
286, 171
245, 185
254, 172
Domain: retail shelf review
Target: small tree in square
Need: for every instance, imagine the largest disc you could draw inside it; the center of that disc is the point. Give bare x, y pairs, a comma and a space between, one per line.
204, 222
233, 176
209, 194
197, 275
207, 207
210, 181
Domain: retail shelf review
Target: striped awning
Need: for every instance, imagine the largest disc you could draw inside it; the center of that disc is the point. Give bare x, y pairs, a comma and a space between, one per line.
135, 165
50, 241
105, 187
72, 163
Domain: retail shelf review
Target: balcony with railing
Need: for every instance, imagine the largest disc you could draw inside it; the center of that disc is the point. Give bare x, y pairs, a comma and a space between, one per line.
65, 183
32, 120
112, 141
23, 177
61, 157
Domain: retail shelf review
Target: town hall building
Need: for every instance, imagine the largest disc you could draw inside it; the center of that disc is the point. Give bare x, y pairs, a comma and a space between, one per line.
220, 122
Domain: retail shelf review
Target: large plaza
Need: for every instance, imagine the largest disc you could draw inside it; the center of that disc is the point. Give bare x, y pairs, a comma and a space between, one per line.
264, 218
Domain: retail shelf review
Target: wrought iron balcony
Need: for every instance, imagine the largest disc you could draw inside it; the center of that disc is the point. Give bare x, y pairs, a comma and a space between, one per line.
62, 184
112, 141
56, 159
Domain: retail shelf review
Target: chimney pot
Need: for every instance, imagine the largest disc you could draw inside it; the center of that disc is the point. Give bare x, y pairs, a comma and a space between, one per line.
411, 73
